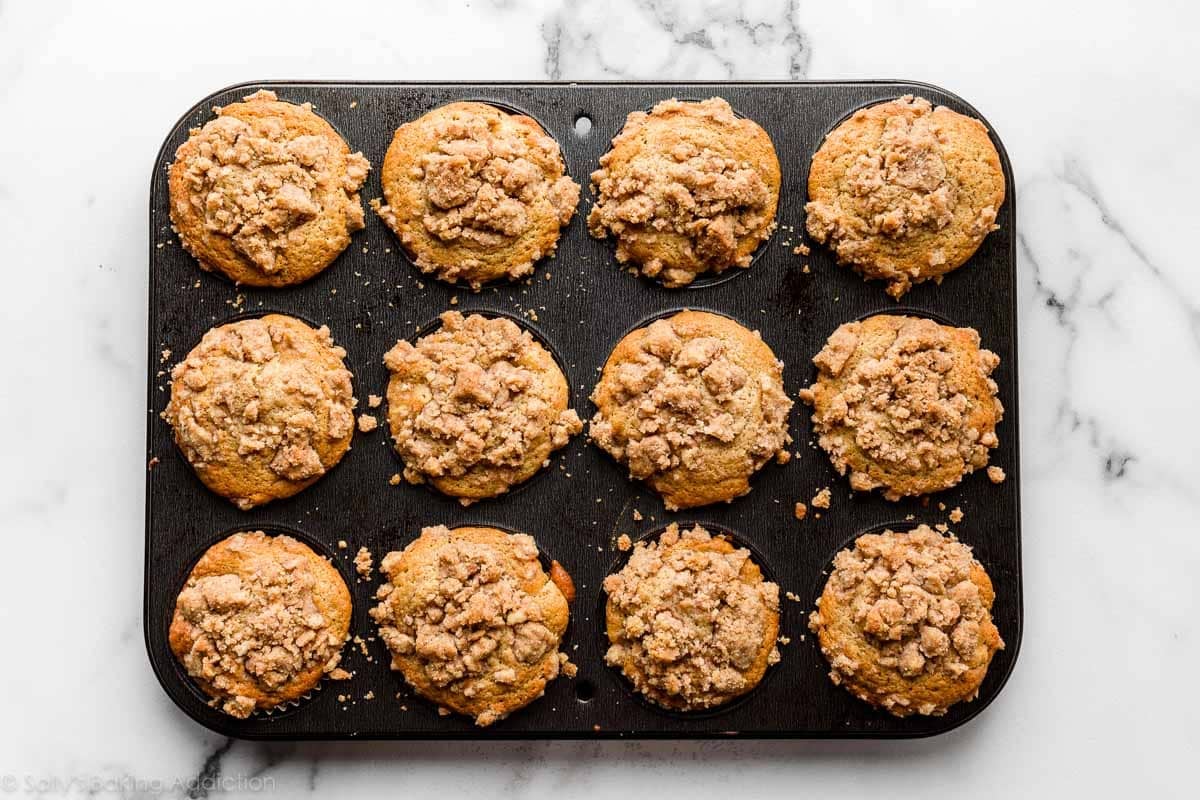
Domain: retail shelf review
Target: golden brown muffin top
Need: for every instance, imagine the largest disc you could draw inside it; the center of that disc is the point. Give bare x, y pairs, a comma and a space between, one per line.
904, 404
905, 621
475, 193
259, 621
904, 191
476, 406
694, 404
690, 620
686, 189
262, 407
472, 619
267, 192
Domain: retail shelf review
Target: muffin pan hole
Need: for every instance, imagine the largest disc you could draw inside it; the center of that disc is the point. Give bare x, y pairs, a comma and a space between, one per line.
583, 126
585, 691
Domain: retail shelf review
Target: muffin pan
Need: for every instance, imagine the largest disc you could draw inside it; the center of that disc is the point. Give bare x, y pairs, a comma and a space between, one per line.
580, 303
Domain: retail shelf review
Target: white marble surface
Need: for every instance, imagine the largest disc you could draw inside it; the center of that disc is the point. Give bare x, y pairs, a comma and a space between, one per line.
1099, 109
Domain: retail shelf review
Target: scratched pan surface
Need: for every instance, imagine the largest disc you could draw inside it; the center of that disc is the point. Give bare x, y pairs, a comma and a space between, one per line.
372, 296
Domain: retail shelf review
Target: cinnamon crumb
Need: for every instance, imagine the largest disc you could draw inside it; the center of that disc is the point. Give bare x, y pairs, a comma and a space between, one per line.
956, 516
367, 423
364, 562
801, 511
996, 474
821, 499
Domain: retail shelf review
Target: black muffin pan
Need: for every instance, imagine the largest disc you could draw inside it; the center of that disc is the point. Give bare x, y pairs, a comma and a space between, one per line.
580, 303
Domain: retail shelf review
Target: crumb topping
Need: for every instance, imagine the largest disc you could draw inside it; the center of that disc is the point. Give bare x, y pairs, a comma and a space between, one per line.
694, 624
822, 498
898, 186
914, 606
483, 180
480, 403
258, 184
996, 474
259, 623
364, 563
801, 511
905, 409
688, 393
689, 190
465, 620
256, 390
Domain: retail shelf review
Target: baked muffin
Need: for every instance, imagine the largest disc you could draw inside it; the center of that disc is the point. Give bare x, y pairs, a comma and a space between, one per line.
266, 193
691, 622
475, 194
904, 192
262, 408
904, 404
905, 621
476, 407
472, 620
686, 189
260, 621
694, 405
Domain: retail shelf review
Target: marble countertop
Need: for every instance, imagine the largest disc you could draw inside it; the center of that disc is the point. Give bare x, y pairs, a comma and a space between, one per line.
1098, 111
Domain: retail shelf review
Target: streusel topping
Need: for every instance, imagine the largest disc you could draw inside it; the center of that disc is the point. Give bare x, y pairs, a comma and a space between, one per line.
903, 408
688, 391
907, 181
465, 619
482, 182
915, 608
259, 184
253, 390
710, 198
481, 404
259, 624
695, 629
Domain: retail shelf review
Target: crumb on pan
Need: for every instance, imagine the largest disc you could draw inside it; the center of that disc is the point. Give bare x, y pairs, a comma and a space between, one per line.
364, 562
822, 498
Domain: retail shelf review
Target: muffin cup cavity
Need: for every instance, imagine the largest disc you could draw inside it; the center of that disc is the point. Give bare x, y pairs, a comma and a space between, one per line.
318, 546
541, 337
616, 675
